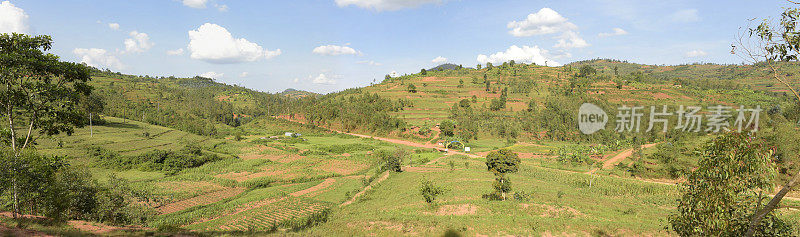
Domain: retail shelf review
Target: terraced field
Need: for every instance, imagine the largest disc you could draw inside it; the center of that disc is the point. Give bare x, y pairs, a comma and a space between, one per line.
265, 215
200, 200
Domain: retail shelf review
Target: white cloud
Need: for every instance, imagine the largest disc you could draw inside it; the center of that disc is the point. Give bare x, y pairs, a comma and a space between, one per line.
615, 32
98, 58
12, 18
113, 26
175, 52
138, 43
371, 63
439, 59
324, 79
570, 39
385, 5
296, 80
685, 16
696, 53
525, 54
195, 3
212, 75
244, 74
222, 8
214, 44
334, 50
546, 21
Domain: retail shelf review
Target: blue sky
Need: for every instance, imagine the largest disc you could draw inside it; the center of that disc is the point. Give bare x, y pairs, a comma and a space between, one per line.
330, 45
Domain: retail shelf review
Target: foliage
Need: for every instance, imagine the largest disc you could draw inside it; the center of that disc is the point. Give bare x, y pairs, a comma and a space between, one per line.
447, 128
430, 191
391, 160
169, 162
500, 163
412, 88
51, 188
726, 188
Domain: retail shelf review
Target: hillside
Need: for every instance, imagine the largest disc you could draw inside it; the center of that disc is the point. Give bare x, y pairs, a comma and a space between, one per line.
203, 157
196, 105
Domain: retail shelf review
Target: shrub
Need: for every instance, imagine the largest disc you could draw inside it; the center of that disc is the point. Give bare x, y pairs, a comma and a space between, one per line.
430, 191
391, 160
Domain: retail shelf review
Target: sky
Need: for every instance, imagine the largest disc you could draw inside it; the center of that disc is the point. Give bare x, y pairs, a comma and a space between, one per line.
331, 45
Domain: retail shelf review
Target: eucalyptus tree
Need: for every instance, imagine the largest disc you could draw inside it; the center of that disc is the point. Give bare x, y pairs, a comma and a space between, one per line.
39, 96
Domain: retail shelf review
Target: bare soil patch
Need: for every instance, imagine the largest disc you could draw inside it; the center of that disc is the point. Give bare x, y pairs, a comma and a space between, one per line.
325, 184
554, 211
342, 167
457, 210
423, 169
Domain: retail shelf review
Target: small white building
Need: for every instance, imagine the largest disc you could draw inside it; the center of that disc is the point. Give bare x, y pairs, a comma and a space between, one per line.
288, 134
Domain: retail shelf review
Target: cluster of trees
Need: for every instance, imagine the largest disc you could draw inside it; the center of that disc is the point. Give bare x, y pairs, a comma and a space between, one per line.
169, 162
187, 104
353, 109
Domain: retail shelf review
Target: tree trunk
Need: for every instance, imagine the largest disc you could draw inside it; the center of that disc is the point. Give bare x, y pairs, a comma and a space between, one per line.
772, 205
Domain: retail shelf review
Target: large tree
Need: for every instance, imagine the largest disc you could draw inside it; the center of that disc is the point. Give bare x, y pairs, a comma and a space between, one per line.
500, 163
39, 97
726, 189
766, 44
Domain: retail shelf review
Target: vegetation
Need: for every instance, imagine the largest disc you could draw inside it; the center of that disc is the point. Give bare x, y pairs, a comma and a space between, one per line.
726, 189
500, 163
41, 95
430, 191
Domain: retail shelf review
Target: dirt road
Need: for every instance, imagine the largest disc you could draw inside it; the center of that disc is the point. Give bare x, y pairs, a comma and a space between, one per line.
610, 163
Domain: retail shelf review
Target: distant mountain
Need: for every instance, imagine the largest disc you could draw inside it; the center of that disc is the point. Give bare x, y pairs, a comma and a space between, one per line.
294, 93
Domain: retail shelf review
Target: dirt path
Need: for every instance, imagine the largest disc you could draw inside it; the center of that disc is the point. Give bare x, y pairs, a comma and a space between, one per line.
395, 141
327, 183
610, 163
8, 231
377, 181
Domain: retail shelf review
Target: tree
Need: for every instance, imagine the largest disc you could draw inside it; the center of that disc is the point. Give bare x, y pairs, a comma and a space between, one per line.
726, 189
474, 99
41, 94
587, 70
447, 128
423, 72
412, 88
464, 103
773, 43
489, 66
478, 67
500, 163
531, 105
391, 161
430, 191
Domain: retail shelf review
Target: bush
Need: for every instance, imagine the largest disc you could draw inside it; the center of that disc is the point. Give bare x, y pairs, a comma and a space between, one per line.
391, 161
522, 196
430, 191
169, 162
